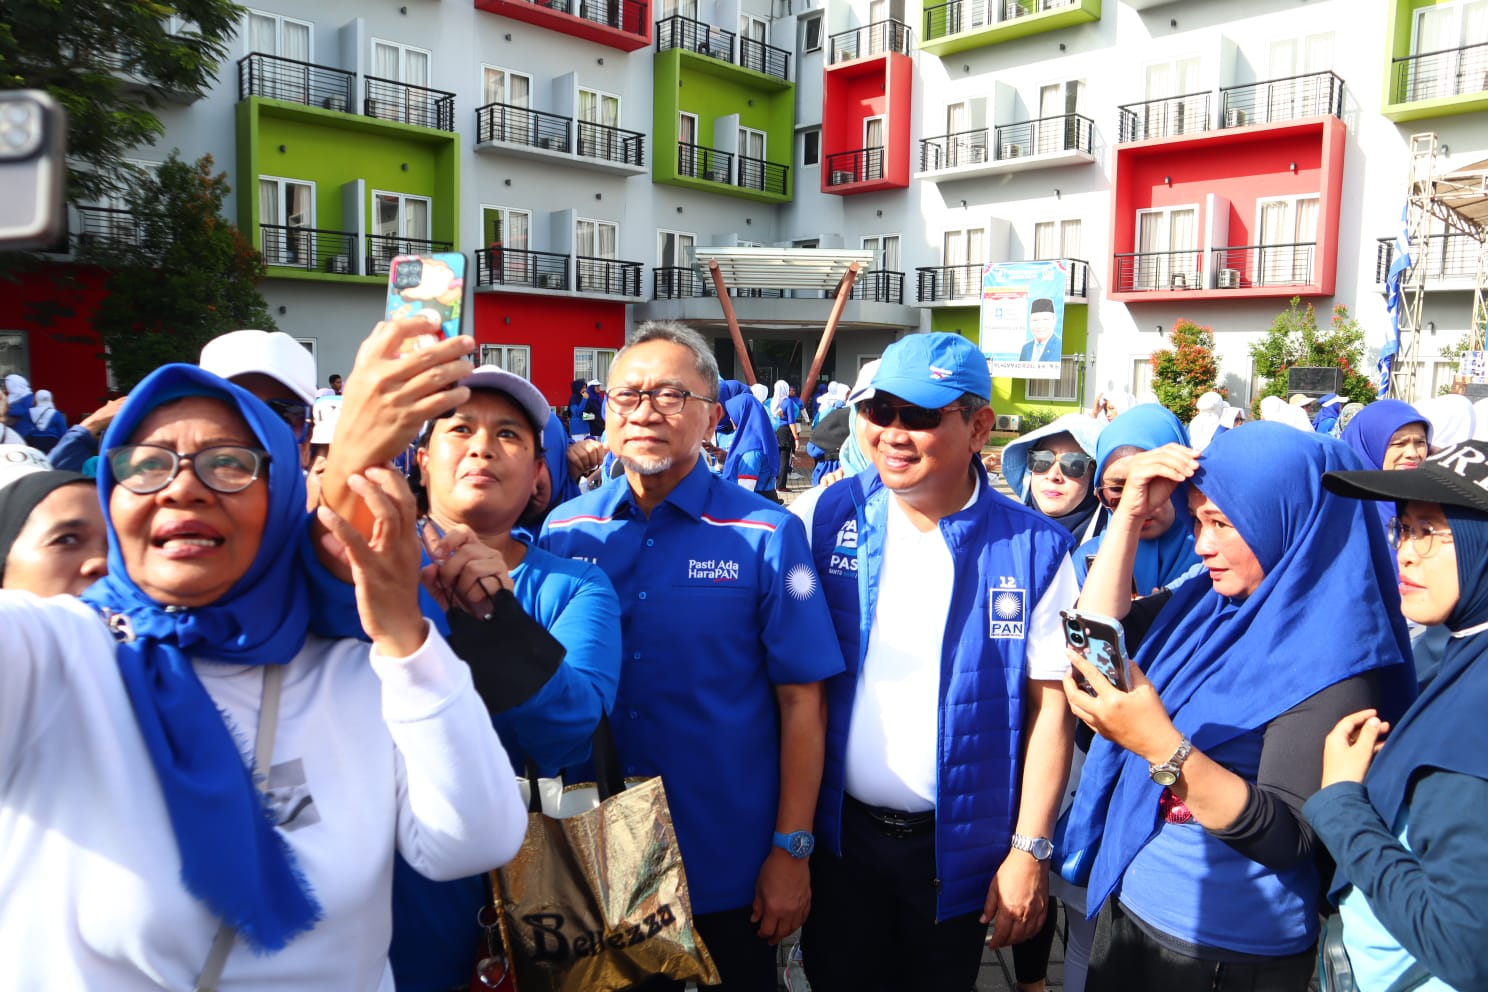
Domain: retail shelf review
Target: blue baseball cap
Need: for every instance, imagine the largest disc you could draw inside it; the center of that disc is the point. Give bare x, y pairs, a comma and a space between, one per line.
930, 370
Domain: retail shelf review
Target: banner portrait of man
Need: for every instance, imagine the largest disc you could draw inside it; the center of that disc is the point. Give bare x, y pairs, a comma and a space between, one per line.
1022, 318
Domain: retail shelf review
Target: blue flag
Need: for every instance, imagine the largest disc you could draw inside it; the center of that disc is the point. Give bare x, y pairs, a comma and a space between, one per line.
1400, 263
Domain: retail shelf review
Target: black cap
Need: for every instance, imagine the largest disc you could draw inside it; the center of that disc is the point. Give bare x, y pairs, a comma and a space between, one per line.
1455, 476
1042, 305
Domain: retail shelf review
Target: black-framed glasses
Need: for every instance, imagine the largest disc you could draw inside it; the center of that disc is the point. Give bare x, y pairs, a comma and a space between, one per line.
149, 468
882, 412
665, 400
1072, 464
1423, 536
294, 413
1110, 492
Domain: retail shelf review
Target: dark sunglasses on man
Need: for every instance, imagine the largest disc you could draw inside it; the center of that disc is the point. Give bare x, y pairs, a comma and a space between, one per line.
1072, 464
294, 413
882, 411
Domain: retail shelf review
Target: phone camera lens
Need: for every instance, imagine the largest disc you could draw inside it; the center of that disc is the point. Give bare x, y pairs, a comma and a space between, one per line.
1077, 639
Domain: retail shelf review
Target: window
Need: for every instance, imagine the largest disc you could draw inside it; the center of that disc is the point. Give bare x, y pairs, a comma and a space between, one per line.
13, 355
963, 258
885, 248
1285, 96
1056, 239
688, 163
603, 141
1167, 243
286, 213
753, 28
675, 276
1174, 104
400, 63
506, 234
1141, 378
400, 225
411, 103
511, 92
1065, 389
751, 158
515, 358
1447, 28
811, 147
1057, 129
312, 345
597, 238
593, 363
286, 38
873, 149
1291, 223
811, 33
679, 8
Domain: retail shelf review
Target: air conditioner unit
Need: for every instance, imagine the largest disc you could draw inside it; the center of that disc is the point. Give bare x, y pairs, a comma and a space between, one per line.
549, 280
1009, 422
339, 264
979, 153
718, 173
1234, 117
1229, 278
552, 142
841, 177
1011, 150
1178, 281
334, 103
1011, 11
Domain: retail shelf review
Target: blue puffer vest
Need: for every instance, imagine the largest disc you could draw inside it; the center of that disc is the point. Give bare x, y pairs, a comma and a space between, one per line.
1006, 556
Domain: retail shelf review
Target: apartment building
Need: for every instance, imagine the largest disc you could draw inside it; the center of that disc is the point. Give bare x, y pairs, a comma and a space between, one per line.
1196, 159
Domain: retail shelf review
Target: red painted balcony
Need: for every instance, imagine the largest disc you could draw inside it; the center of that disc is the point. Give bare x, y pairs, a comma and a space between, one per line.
866, 109
622, 24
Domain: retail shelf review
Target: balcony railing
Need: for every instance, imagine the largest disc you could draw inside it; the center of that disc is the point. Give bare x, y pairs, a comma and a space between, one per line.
1062, 133
768, 177
1312, 95
1077, 283
521, 126
857, 166
1159, 271
968, 15
682, 282
1434, 75
499, 266
939, 283
611, 144
295, 81
309, 248
1448, 256
626, 15
608, 275
947, 151
1254, 266
878, 38
695, 36
109, 229
678, 282
878, 286
390, 100
697, 162
764, 58
383, 248
1170, 117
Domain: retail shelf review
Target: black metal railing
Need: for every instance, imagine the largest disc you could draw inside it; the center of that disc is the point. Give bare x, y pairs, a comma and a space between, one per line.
878, 38
695, 36
308, 248
678, 282
521, 126
1159, 271
1448, 256
625, 15
698, 162
1077, 283
764, 58
611, 144
295, 81
1249, 266
390, 100
878, 286
947, 151
103, 230
938, 283
966, 15
768, 177
500, 266
1314, 94
561, 6
1433, 75
383, 248
1044, 135
1169, 117
608, 275
858, 166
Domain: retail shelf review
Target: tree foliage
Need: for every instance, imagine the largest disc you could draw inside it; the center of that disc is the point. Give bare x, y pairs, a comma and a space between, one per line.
1187, 370
1294, 339
184, 276
111, 64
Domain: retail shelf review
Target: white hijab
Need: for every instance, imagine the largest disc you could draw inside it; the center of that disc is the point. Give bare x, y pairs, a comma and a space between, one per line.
44, 410
16, 387
761, 392
1451, 419
1201, 429
1279, 410
782, 393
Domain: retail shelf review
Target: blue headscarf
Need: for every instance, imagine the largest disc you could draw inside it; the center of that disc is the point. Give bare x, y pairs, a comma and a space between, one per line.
232, 858
1327, 415
1163, 559
752, 431
1369, 435
1226, 667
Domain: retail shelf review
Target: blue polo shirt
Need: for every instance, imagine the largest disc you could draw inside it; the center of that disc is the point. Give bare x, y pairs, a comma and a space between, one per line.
719, 603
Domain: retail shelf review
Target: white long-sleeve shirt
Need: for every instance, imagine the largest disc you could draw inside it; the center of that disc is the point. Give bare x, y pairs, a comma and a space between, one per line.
370, 753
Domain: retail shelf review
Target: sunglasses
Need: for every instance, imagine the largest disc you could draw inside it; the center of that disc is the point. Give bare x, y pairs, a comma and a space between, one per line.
1072, 464
882, 412
295, 414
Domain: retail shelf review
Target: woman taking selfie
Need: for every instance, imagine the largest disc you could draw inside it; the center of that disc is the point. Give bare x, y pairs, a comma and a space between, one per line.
1188, 813
1406, 826
194, 786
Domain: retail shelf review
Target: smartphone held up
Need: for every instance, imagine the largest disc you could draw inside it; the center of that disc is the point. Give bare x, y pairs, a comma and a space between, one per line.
431, 288
1100, 641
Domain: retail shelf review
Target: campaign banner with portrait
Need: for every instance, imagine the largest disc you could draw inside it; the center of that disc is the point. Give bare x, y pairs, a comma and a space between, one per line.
1022, 319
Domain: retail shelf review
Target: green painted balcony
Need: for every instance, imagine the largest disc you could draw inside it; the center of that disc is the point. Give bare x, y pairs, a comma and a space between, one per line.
1438, 61
961, 25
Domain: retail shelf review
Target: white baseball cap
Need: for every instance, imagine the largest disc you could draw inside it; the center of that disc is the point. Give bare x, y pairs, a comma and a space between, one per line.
532, 402
17, 460
324, 414
271, 353
593, 382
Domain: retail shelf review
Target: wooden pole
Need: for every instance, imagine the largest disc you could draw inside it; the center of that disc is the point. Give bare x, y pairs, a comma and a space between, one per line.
844, 289
733, 321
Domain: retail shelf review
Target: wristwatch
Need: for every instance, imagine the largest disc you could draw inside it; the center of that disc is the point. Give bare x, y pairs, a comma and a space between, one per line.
1167, 773
798, 845
1041, 848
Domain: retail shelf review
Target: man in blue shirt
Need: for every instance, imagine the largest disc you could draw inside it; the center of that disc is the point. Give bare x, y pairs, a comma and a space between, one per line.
949, 737
725, 639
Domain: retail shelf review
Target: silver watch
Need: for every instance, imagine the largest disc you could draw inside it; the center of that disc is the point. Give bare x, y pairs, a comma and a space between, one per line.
1166, 774
1041, 848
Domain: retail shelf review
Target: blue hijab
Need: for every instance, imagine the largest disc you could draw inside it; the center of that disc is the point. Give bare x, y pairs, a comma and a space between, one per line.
1369, 433
1226, 667
1163, 559
752, 431
232, 858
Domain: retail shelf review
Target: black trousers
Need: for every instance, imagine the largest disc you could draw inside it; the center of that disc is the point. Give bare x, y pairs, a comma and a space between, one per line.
1124, 957
746, 961
872, 925
783, 476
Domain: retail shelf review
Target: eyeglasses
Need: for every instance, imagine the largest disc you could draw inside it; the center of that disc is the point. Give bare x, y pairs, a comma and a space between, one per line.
1072, 464
149, 468
1110, 493
1423, 536
665, 400
882, 412
295, 414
